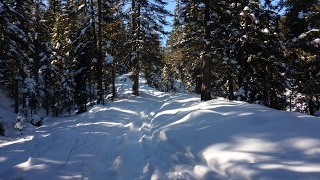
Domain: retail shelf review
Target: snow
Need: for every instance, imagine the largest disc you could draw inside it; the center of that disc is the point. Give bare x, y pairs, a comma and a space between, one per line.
109, 59
83, 31
165, 136
207, 41
254, 18
108, 44
303, 35
58, 45
7, 116
1, 7
265, 30
316, 42
301, 15
246, 8
209, 23
81, 6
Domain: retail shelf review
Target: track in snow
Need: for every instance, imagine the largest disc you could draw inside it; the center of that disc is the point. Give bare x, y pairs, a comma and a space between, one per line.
133, 148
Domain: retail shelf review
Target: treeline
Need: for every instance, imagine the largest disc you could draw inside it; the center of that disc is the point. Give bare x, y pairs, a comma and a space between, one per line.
265, 52
58, 56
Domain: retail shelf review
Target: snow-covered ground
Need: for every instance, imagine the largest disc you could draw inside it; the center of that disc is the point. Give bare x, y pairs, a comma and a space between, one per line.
165, 136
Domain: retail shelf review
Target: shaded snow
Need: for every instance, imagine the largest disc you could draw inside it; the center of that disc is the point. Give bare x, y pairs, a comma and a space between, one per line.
1, 7
166, 136
253, 16
109, 59
265, 30
316, 42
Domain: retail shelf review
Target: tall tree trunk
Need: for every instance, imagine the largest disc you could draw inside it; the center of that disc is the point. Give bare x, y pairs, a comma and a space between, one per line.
206, 83
47, 97
36, 67
199, 83
230, 84
89, 64
113, 82
99, 62
135, 31
16, 96
242, 82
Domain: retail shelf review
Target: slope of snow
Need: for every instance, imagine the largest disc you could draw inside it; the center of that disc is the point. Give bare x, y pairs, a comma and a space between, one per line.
7, 116
166, 136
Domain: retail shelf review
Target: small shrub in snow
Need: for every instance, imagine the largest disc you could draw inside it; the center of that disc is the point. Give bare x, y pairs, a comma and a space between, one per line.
36, 120
19, 122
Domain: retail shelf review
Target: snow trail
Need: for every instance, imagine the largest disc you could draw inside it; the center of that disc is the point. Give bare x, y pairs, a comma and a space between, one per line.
133, 148
133, 152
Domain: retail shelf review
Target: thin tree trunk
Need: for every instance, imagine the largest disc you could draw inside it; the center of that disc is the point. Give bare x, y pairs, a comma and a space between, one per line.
36, 68
230, 84
89, 65
113, 83
16, 96
99, 62
135, 30
206, 83
47, 98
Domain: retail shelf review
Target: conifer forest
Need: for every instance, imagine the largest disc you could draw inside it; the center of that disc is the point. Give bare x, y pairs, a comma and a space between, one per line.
57, 57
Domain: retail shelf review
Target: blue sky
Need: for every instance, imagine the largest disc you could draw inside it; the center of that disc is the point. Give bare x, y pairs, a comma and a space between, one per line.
171, 5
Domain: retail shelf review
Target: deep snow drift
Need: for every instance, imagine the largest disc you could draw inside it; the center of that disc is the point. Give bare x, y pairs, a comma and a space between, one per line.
165, 136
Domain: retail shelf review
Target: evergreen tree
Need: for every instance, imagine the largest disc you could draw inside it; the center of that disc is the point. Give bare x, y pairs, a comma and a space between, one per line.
40, 56
203, 28
63, 35
116, 38
84, 49
174, 53
261, 61
147, 18
301, 31
16, 48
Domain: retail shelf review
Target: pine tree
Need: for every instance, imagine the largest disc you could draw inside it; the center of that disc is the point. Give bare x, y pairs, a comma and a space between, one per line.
16, 48
84, 49
115, 35
62, 37
250, 55
151, 59
40, 57
301, 31
146, 17
202, 28
174, 53
191, 19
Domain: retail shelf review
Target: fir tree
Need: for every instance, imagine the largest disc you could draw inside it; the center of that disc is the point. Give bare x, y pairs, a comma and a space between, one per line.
301, 31
174, 53
16, 48
146, 17
62, 37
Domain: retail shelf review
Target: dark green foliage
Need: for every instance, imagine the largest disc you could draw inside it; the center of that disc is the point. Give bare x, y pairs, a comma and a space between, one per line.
254, 50
147, 20
300, 27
